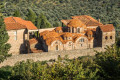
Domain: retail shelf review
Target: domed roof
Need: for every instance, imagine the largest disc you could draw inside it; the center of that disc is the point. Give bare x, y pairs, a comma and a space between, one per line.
89, 32
67, 34
75, 23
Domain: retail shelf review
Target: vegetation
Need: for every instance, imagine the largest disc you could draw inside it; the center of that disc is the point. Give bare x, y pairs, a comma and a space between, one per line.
55, 10
4, 47
103, 66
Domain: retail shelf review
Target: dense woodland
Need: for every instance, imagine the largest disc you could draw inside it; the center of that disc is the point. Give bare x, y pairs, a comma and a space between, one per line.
55, 10
48, 13
102, 66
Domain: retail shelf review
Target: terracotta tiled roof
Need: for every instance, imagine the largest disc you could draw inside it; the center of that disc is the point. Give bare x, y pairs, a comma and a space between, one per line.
65, 22
75, 23
49, 34
50, 40
44, 32
32, 41
87, 20
34, 50
14, 26
107, 28
58, 28
15, 23
89, 32
67, 34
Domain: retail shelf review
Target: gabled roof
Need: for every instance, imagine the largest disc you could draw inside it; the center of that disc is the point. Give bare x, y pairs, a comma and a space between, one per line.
87, 20
107, 28
16, 23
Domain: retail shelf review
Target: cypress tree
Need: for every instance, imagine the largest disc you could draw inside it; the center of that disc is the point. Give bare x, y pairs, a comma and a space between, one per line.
42, 21
17, 13
4, 46
31, 16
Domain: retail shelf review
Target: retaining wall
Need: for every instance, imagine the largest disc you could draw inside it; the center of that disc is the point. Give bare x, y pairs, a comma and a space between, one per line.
49, 55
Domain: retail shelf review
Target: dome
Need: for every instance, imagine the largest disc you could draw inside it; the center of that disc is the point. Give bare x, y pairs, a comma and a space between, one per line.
89, 32
67, 34
75, 23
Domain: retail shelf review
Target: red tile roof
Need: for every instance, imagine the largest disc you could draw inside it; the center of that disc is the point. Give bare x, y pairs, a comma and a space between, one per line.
107, 28
75, 23
15, 23
32, 41
87, 20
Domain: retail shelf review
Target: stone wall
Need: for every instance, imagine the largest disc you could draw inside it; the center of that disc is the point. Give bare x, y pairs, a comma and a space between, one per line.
16, 39
50, 55
49, 29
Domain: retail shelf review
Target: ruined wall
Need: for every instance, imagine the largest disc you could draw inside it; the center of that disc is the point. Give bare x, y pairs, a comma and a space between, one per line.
16, 39
50, 55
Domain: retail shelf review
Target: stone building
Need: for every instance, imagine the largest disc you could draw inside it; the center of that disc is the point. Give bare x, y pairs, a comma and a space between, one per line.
80, 32
19, 32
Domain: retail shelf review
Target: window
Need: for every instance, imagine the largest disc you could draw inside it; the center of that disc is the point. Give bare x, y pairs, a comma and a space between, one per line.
15, 35
78, 30
70, 43
110, 37
56, 42
56, 47
72, 30
81, 45
106, 37
82, 40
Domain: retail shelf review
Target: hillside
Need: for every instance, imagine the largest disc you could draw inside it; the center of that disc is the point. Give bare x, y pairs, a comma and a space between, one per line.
55, 10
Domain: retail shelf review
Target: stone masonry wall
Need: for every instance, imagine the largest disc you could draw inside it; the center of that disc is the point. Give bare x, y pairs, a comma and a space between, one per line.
18, 44
50, 55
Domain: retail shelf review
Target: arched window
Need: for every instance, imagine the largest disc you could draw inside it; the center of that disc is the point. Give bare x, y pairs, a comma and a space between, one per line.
72, 30
110, 37
82, 40
78, 30
56, 47
106, 37
81, 45
70, 43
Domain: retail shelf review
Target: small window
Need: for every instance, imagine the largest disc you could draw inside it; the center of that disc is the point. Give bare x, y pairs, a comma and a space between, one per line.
106, 37
82, 40
110, 37
56, 42
78, 30
81, 45
56, 47
15, 34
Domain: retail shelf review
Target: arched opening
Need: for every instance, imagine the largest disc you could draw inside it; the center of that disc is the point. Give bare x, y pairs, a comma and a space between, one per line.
110, 37
57, 48
78, 30
106, 37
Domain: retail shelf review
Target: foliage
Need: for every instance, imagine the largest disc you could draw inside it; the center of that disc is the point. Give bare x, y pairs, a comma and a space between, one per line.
4, 46
55, 10
17, 13
31, 16
102, 66
42, 22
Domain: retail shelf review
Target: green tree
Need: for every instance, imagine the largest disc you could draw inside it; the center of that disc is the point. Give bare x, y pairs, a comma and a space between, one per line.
17, 13
42, 22
4, 46
31, 16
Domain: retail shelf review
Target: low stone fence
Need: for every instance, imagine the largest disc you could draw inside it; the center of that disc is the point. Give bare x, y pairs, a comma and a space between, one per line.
50, 55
